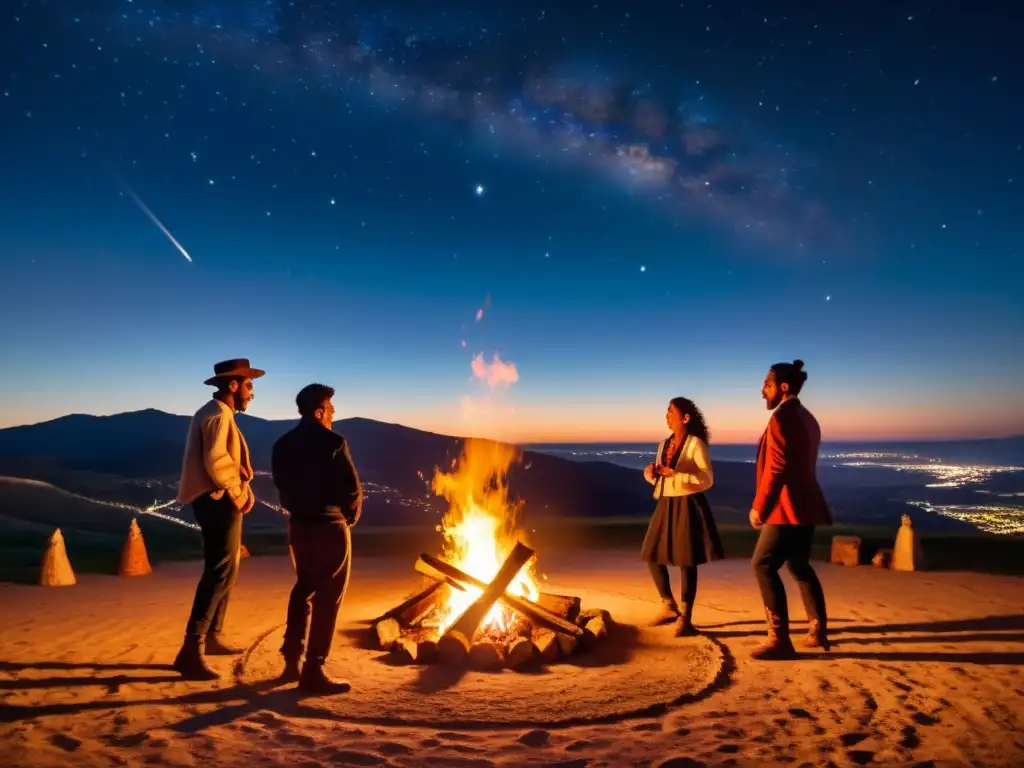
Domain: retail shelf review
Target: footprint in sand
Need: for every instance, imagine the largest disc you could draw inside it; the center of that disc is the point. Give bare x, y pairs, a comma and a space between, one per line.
454, 736
681, 762
648, 727
535, 738
67, 743
568, 764
860, 756
851, 739
351, 757
299, 739
922, 719
910, 738
131, 740
393, 748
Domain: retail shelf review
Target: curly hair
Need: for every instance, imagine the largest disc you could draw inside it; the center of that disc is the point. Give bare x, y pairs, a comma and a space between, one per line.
697, 425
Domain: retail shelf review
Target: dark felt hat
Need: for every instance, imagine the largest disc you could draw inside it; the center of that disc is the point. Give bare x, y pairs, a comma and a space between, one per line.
238, 367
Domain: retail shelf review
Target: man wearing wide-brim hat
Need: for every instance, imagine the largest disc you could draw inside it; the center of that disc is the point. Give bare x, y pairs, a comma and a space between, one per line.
215, 479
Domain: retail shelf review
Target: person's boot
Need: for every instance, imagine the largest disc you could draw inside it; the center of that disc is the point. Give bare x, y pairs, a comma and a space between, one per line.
292, 670
215, 646
314, 681
684, 624
669, 613
779, 645
817, 635
190, 663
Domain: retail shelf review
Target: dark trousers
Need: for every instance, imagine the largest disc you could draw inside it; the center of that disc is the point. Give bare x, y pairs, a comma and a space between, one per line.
322, 553
221, 525
663, 582
789, 544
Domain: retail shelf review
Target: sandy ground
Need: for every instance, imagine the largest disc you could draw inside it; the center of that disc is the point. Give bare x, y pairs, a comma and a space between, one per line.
926, 670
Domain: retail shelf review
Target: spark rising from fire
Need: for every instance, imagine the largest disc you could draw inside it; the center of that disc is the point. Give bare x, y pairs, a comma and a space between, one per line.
479, 529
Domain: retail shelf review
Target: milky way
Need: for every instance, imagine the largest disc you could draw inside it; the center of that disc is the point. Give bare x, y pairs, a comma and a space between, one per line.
507, 88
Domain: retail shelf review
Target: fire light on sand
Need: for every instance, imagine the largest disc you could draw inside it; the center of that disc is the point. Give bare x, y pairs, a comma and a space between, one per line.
480, 530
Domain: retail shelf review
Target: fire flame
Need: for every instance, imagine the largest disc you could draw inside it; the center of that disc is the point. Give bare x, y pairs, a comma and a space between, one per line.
479, 529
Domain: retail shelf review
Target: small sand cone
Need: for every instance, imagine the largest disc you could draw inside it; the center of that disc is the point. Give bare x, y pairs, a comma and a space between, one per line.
55, 570
907, 554
134, 560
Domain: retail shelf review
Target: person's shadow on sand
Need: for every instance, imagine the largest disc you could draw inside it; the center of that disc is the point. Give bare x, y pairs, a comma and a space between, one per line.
995, 629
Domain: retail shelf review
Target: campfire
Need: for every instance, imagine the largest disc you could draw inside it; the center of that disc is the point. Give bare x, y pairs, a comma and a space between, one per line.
481, 605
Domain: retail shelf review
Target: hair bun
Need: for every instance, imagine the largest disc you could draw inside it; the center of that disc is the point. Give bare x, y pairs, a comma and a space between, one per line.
798, 364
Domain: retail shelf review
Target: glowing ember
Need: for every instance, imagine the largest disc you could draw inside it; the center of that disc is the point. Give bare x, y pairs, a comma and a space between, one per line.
479, 529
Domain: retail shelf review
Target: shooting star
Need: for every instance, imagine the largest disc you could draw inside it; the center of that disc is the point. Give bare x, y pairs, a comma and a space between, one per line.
155, 220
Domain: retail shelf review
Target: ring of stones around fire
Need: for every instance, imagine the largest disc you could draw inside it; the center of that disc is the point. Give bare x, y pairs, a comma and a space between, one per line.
633, 671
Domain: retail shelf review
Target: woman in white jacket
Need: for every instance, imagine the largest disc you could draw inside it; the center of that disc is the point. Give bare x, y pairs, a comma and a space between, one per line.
682, 531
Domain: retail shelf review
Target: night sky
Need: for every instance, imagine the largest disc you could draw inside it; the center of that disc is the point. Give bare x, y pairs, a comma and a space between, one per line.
603, 208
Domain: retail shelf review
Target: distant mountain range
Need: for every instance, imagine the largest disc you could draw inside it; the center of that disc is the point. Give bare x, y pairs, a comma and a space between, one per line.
135, 458
143, 449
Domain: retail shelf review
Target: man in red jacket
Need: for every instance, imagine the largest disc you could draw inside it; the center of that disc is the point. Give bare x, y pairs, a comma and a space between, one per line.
788, 505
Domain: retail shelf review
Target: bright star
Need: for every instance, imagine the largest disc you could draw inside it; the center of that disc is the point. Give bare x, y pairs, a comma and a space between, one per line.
479, 189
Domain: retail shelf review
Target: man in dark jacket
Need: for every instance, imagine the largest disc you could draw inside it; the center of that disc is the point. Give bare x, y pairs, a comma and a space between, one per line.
319, 488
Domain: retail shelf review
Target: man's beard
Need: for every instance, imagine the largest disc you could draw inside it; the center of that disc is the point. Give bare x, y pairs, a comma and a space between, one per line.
239, 401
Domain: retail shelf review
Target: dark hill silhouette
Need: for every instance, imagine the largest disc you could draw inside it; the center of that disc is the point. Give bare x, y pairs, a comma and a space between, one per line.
149, 444
135, 457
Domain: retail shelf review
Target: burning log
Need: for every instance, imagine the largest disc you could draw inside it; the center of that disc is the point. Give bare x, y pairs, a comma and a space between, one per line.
567, 644
542, 617
565, 606
456, 642
546, 642
412, 610
413, 650
596, 628
521, 652
484, 654
388, 633
593, 613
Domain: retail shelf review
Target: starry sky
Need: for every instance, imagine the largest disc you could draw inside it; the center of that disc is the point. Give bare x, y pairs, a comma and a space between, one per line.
525, 220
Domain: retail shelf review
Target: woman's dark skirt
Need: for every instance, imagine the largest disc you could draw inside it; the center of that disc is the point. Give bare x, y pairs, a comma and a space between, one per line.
682, 532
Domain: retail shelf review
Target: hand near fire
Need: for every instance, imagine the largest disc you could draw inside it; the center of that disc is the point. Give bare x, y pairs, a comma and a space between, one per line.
755, 519
664, 471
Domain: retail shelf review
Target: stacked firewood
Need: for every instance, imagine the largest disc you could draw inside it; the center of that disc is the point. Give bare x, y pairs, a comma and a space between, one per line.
554, 627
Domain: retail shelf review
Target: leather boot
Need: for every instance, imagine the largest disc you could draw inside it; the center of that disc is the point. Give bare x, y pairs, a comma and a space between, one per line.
669, 613
190, 663
684, 624
817, 635
292, 668
314, 681
779, 646
215, 646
